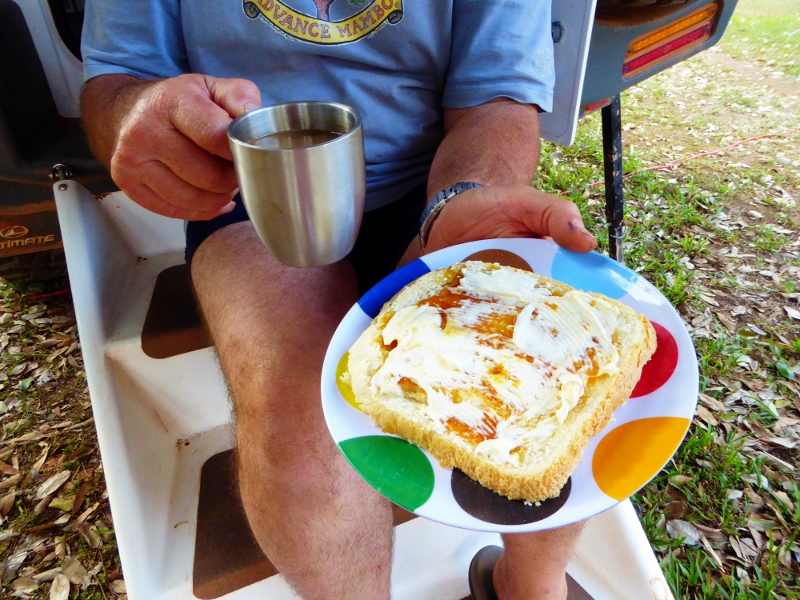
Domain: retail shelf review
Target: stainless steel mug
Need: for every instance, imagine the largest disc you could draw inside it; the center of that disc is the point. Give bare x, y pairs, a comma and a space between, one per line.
302, 177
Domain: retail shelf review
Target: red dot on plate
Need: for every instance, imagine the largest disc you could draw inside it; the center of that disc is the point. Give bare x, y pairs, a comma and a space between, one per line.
661, 366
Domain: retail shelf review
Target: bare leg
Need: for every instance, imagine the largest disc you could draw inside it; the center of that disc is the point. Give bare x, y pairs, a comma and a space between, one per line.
326, 531
534, 565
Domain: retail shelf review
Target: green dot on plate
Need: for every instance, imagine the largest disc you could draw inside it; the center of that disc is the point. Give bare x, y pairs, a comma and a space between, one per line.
343, 383
397, 469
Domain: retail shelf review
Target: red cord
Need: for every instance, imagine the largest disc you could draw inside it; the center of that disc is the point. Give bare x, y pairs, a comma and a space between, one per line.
58, 293
677, 163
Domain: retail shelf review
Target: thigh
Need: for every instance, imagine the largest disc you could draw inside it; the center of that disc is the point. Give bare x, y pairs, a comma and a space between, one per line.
271, 324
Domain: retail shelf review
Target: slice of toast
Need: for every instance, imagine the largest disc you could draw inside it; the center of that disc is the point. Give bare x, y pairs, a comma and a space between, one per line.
500, 372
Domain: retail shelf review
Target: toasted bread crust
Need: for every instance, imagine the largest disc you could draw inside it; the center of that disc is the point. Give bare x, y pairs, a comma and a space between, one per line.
530, 482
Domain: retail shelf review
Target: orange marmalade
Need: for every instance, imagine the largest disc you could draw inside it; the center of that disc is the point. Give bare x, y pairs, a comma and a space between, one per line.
497, 359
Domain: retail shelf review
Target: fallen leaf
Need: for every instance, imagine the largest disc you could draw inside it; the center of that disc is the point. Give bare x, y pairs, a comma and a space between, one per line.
33, 436
18, 369
89, 533
24, 584
8, 469
73, 570
118, 586
760, 524
680, 479
72, 527
729, 323
785, 557
708, 299
80, 496
713, 535
62, 504
712, 552
748, 547
80, 425
792, 312
43, 504
784, 499
37, 466
59, 590
706, 415
754, 385
80, 453
48, 575
678, 529
712, 403
675, 509
758, 538
52, 485
785, 370
10, 482
7, 503
785, 442
88, 579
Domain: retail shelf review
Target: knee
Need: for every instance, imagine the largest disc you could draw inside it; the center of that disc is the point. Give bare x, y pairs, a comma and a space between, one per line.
289, 456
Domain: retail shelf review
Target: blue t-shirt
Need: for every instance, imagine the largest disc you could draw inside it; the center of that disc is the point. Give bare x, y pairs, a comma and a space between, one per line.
397, 63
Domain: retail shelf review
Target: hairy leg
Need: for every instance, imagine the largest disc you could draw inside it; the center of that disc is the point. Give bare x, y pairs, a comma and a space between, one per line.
326, 531
534, 565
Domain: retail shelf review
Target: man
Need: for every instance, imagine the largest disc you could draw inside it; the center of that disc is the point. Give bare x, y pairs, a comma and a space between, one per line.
449, 93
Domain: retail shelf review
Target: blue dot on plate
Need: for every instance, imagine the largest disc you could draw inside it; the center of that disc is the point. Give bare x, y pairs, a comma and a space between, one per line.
372, 302
594, 272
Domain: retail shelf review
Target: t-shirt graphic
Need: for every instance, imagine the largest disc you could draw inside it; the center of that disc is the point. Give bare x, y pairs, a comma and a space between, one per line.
361, 18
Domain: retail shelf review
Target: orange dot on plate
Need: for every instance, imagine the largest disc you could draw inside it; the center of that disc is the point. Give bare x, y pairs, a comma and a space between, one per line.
631, 454
343, 383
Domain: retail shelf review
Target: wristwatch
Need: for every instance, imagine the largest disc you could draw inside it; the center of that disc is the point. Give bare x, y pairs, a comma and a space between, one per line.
436, 204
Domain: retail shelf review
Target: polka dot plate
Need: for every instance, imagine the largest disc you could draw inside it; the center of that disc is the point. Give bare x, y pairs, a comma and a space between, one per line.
640, 439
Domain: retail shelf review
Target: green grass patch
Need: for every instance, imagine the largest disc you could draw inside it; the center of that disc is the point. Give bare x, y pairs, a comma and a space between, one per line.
767, 31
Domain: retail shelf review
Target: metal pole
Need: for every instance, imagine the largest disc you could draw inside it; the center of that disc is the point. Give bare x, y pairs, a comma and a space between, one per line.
612, 163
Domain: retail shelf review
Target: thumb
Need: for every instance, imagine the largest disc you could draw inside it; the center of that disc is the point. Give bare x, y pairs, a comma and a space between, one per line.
562, 221
236, 96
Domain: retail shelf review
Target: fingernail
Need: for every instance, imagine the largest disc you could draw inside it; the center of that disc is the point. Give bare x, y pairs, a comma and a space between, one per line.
248, 106
228, 207
577, 225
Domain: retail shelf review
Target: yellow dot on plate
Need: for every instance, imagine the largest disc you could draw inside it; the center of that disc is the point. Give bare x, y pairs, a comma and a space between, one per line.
343, 382
631, 454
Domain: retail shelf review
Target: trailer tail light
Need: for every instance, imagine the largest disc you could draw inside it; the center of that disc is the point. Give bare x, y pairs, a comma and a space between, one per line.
597, 105
657, 46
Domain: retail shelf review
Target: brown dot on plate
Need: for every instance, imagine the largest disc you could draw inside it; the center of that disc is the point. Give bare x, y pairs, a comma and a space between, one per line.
501, 257
486, 505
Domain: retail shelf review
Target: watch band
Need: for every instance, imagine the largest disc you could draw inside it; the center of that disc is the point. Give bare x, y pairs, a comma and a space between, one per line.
437, 203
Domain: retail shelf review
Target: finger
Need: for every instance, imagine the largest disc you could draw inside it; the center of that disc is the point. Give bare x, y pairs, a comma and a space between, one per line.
158, 177
558, 218
194, 165
237, 96
147, 198
128, 170
194, 112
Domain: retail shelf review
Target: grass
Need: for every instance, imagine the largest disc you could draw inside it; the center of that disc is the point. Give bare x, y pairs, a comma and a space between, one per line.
767, 31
